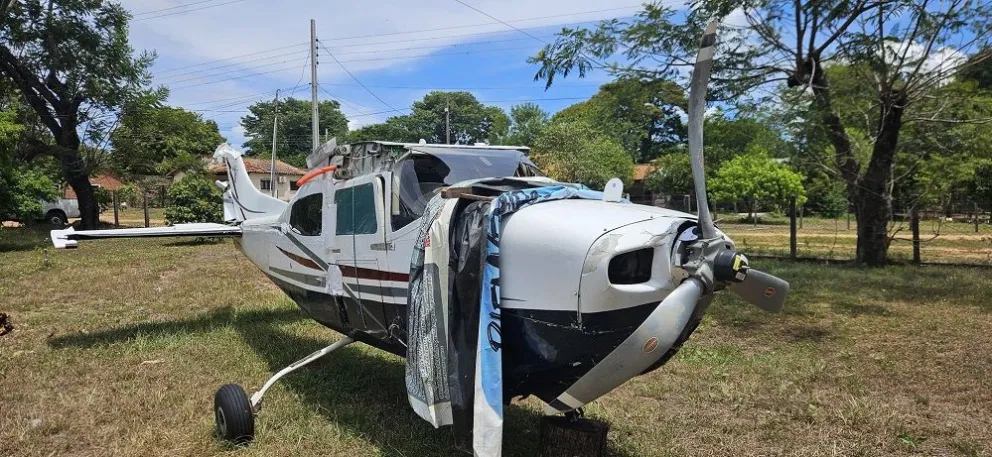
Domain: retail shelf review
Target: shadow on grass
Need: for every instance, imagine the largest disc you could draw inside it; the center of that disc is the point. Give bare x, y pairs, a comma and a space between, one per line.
198, 241
352, 388
29, 238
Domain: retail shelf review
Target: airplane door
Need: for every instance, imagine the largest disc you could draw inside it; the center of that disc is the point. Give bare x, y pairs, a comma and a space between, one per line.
360, 238
297, 256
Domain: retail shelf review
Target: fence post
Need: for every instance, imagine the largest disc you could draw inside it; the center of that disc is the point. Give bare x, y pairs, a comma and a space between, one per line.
848, 219
976, 217
113, 197
792, 228
914, 225
144, 205
161, 192
754, 211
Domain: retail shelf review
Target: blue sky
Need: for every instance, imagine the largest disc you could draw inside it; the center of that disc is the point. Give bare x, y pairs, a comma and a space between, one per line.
219, 56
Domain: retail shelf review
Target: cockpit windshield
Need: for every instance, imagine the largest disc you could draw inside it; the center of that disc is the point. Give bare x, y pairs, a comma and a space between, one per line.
420, 174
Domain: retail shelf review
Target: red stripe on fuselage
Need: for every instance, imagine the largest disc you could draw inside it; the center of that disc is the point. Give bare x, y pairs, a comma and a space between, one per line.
365, 273
300, 259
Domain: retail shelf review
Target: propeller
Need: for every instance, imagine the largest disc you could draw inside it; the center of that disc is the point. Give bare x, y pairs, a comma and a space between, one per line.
710, 258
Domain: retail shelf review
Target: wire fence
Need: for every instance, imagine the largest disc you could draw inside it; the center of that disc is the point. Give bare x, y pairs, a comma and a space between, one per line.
956, 232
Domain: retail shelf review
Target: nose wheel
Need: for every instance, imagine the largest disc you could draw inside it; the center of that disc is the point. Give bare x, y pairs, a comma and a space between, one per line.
233, 415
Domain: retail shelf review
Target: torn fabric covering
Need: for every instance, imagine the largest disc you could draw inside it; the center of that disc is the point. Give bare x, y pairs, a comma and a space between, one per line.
454, 365
428, 301
487, 431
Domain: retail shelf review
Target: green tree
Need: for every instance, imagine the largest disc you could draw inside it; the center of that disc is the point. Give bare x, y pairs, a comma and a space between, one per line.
194, 199
71, 61
672, 175
22, 188
644, 115
396, 129
903, 50
156, 139
527, 120
757, 179
294, 141
576, 152
471, 122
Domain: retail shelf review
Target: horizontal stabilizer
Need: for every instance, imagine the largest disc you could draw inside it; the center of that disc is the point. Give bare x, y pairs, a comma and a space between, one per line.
67, 238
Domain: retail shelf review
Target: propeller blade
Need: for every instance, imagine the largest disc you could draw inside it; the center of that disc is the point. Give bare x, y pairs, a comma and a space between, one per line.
638, 352
762, 290
697, 106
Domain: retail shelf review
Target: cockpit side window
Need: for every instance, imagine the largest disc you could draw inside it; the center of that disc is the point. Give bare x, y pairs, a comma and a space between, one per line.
305, 217
356, 210
414, 182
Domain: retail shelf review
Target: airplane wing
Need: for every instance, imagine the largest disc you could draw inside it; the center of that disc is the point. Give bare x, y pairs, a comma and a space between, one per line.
67, 238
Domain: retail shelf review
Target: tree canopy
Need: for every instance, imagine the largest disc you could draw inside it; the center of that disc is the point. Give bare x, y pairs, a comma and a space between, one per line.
471, 122
902, 52
72, 63
527, 121
756, 178
294, 140
644, 115
152, 138
21, 188
577, 152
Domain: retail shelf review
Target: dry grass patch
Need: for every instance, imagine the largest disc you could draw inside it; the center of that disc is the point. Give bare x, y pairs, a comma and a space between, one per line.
119, 347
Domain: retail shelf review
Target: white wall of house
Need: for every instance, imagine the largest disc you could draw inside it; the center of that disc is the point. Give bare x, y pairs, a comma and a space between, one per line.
283, 190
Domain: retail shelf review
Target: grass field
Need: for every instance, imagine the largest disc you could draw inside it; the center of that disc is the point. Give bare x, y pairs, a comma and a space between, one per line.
119, 348
941, 242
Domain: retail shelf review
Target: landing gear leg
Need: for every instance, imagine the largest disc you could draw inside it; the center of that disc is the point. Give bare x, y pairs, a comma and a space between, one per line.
234, 412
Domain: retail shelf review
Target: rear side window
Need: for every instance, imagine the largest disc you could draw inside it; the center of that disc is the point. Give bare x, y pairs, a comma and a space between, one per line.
305, 218
356, 210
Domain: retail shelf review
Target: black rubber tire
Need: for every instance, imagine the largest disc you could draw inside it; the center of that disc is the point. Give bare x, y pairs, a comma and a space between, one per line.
56, 218
233, 416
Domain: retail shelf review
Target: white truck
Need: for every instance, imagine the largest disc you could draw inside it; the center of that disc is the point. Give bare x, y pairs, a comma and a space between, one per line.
58, 212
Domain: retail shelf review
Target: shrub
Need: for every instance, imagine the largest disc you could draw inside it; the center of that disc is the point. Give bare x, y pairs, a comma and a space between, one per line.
576, 152
194, 199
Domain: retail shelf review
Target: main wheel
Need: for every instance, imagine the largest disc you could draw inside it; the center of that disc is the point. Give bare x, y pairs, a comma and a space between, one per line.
56, 218
233, 415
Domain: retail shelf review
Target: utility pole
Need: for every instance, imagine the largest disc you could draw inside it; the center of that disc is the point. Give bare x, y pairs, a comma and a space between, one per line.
326, 139
447, 122
315, 122
275, 129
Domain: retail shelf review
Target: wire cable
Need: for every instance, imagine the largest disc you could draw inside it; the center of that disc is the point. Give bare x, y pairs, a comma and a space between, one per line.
356, 78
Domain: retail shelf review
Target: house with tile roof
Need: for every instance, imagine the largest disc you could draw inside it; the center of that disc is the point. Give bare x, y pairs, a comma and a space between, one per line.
260, 172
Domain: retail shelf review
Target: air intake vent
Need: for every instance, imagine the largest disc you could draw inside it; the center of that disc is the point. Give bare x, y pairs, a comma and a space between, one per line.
631, 267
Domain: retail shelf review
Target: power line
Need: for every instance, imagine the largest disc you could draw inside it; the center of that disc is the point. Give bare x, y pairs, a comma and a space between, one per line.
232, 57
356, 78
186, 11
227, 72
420, 31
454, 27
231, 79
490, 16
454, 88
142, 13
234, 64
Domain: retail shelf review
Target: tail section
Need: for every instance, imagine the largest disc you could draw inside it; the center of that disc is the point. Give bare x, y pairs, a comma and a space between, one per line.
242, 201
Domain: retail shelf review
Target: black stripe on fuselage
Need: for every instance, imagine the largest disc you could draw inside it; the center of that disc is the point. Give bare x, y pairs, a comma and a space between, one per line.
545, 351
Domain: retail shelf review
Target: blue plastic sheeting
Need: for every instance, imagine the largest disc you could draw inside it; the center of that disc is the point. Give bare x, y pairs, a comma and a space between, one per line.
487, 433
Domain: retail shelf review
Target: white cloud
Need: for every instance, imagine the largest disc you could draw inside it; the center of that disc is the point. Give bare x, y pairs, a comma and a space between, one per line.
367, 37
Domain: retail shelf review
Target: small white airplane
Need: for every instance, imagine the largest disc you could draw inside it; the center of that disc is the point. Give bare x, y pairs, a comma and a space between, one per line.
592, 292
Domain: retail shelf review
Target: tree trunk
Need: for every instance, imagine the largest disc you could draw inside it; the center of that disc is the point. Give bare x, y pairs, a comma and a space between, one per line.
875, 189
74, 172
871, 194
